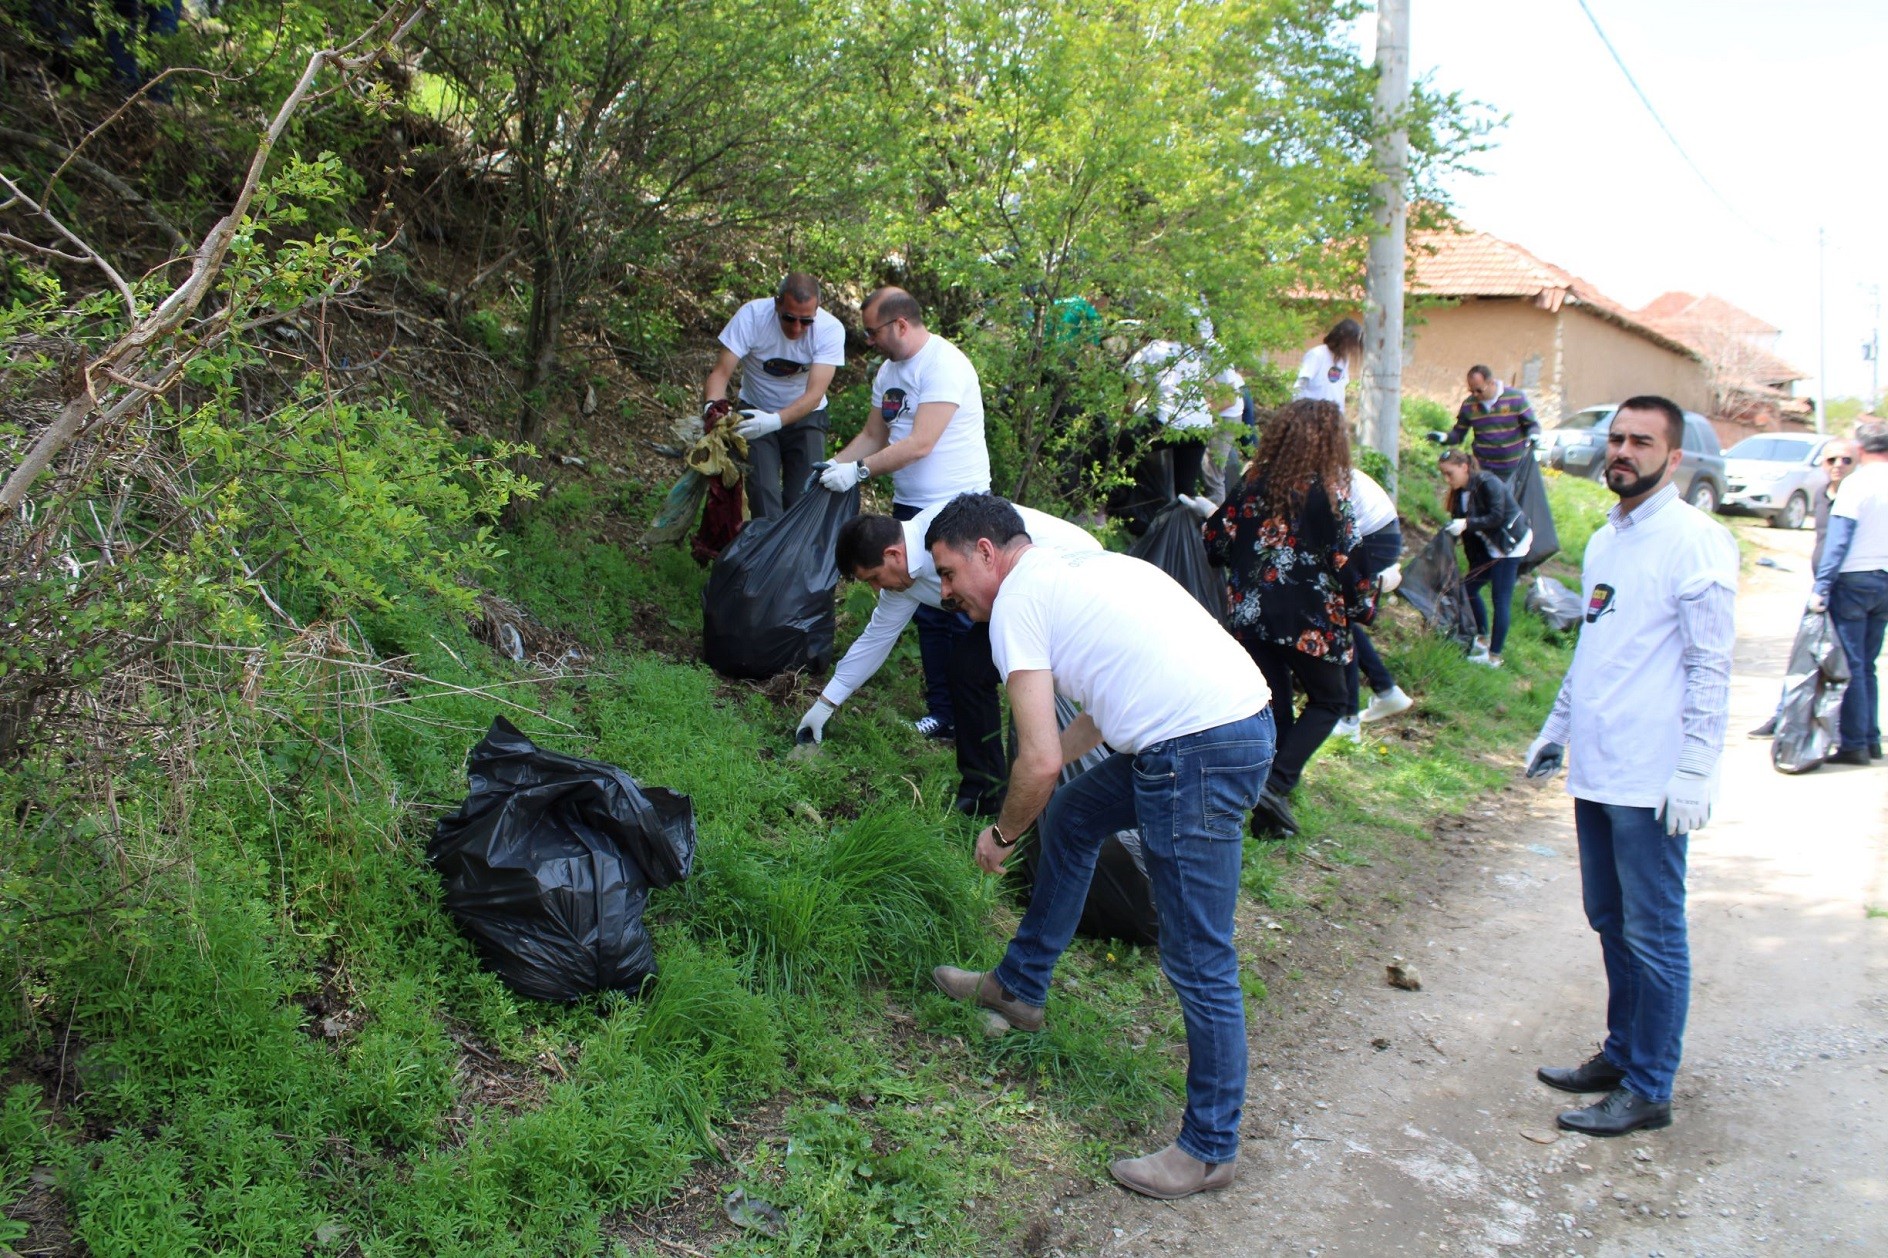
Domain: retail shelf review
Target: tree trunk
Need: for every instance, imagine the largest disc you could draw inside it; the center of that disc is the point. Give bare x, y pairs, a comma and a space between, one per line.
542, 336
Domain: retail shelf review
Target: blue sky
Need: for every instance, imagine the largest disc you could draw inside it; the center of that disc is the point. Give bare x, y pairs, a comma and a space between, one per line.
1783, 106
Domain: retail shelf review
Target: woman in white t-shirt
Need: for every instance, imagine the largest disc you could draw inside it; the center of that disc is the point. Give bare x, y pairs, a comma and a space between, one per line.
1326, 368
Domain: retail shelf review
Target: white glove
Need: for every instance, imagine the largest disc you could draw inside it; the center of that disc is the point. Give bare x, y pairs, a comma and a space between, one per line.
1817, 603
813, 724
842, 476
1457, 526
1202, 507
1388, 580
1544, 758
1687, 803
758, 424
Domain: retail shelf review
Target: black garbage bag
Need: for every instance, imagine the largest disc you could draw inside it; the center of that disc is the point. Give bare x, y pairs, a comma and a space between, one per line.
1432, 584
1120, 902
768, 605
1530, 491
548, 864
1808, 720
1554, 603
1175, 544
1150, 491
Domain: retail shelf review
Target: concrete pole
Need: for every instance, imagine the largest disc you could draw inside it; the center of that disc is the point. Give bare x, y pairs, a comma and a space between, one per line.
1382, 393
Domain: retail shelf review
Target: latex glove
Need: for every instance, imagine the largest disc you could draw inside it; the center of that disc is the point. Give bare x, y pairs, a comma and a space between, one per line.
1817, 603
1457, 526
1438, 437
1202, 507
757, 424
842, 476
1544, 758
1687, 803
813, 724
1388, 580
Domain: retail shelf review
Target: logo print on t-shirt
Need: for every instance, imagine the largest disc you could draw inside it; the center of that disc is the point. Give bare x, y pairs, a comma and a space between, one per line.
892, 405
1333, 372
1600, 603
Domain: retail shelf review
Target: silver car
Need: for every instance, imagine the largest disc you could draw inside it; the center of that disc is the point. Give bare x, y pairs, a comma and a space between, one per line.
1774, 475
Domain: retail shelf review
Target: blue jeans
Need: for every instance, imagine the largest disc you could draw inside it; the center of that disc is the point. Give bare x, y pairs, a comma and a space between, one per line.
1858, 604
1632, 876
1189, 798
1501, 574
938, 632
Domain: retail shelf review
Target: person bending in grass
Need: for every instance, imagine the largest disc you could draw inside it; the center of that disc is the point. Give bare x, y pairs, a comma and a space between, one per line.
1184, 713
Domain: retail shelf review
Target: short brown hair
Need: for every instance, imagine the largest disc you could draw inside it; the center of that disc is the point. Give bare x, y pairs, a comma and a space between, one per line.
863, 541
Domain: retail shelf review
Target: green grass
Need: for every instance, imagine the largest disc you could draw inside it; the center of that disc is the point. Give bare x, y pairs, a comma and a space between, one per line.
281, 1046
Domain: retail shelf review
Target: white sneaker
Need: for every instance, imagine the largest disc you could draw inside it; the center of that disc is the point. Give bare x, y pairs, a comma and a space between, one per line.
1350, 728
1478, 654
1389, 703
1486, 660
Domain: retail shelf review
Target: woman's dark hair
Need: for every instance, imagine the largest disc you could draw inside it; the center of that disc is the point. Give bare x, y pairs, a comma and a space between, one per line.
1345, 339
863, 541
1459, 456
1304, 441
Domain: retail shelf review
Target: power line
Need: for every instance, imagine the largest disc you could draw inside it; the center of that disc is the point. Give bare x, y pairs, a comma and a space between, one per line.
1647, 102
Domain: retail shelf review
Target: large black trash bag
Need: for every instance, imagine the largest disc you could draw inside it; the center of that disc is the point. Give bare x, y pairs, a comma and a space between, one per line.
1530, 491
1554, 603
548, 864
1808, 722
1175, 545
768, 605
1432, 584
1150, 491
1120, 902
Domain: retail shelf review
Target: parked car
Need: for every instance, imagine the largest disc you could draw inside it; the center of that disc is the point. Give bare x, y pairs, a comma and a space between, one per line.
1578, 447
1774, 475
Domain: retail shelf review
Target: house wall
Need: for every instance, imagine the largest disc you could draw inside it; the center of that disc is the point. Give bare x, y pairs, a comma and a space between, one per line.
1513, 338
1606, 363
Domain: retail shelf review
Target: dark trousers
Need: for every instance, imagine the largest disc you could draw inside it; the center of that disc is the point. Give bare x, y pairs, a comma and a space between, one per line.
1498, 577
1376, 552
1189, 464
938, 632
1858, 607
1299, 734
982, 767
780, 464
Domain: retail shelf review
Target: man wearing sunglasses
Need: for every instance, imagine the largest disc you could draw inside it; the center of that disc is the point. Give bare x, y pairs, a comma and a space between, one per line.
925, 431
1852, 584
787, 349
1838, 459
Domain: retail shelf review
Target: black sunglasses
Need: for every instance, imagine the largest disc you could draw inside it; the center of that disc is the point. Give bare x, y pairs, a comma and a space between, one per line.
805, 321
1834, 459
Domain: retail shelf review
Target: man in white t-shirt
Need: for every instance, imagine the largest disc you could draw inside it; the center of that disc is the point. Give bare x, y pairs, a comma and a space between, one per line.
925, 432
786, 349
1185, 713
1642, 713
889, 555
1852, 583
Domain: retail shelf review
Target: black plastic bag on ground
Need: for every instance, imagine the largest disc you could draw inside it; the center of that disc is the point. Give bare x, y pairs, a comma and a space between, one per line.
548, 864
1808, 720
1175, 545
1120, 902
1530, 491
768, 605
1554, 603
1432, 584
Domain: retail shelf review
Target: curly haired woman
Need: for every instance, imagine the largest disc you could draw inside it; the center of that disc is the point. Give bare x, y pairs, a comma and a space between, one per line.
1285, 537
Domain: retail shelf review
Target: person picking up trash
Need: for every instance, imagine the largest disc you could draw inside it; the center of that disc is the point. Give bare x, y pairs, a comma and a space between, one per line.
1185, 715
925, 431
890, 556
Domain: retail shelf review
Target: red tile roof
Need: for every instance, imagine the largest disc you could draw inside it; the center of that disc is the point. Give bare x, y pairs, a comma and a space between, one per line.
1706, 311
1719, 330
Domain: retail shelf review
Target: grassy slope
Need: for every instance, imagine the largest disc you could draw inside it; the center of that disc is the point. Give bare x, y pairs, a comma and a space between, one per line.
286, 1048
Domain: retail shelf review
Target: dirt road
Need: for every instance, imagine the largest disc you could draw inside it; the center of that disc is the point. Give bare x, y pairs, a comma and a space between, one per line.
1410, 1122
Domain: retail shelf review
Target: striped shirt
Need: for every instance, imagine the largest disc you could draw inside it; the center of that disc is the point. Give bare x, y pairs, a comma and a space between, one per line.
1501, 429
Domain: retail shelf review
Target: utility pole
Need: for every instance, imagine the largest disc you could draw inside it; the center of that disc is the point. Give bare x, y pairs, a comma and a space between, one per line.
1383, 276
1822, 332
1872, 352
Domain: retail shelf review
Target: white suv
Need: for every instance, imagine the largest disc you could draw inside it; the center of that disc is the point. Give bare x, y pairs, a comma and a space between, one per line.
1774, 475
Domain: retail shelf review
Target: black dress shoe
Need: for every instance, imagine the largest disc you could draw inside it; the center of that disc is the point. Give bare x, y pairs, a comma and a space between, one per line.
1767, 730
1271, 817
1622, 1111
1849, 755
1595, 1074
1874, 751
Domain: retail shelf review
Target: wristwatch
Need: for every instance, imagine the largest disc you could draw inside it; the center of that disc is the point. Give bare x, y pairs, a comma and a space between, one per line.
865, 473
1000, 841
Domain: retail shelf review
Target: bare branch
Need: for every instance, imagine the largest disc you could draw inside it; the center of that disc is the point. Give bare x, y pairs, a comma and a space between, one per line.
97, 174
91, 255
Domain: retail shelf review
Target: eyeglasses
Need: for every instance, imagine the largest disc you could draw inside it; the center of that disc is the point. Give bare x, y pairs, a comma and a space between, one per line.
805, 321
871, 333
1834, 459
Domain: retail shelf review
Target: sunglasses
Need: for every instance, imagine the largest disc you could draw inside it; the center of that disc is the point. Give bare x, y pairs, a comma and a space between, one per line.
1834, 459
804, 321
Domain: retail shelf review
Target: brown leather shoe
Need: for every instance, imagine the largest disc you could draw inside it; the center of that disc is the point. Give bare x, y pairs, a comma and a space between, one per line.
981, 988
1172, 1173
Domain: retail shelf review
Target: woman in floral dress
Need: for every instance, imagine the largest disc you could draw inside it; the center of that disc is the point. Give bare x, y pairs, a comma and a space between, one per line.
1285, 536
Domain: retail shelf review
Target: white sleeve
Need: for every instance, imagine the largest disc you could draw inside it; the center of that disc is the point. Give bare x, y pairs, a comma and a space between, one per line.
1310, 368
829, 344
738, 334
950, 378
872, 647
1019, 635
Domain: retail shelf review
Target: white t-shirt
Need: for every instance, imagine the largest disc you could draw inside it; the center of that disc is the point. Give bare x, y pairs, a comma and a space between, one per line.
1323, 375
1370, 504
754, 335
960, 462
1235, 409
1863, 497
873, 646
1628, 671
1179, 379
1126, 642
